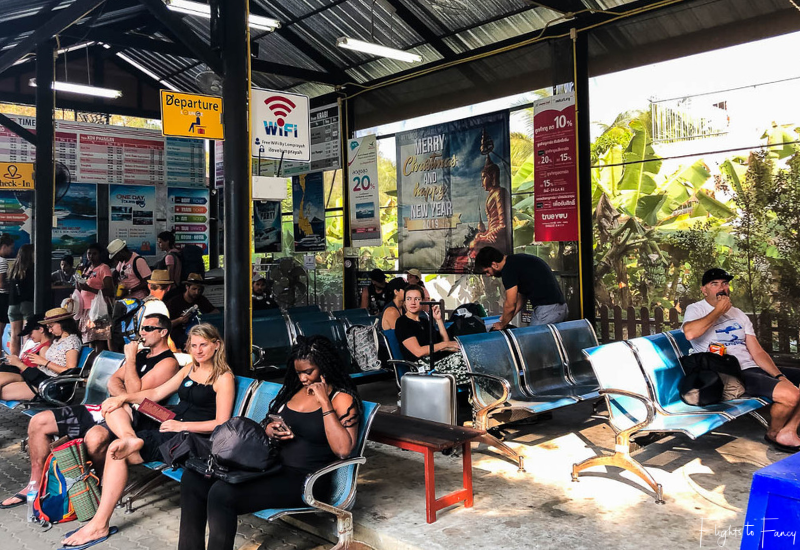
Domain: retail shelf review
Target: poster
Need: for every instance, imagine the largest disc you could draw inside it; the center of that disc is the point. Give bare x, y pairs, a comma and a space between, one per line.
280, 126
187, 216
132, 217
309, 213
185, 162
76, 220
365, 207
454, 193
16, 216
266, 226
556, 173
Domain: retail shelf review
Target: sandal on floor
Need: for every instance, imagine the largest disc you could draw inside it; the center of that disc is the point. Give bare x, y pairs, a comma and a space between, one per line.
111, 531
781, 447
23, 500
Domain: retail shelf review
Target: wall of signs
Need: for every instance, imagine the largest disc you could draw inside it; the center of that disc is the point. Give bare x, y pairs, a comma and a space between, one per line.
187, 216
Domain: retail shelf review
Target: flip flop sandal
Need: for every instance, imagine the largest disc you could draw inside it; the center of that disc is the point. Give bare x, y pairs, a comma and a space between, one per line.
781, 446
24, 500
89, 544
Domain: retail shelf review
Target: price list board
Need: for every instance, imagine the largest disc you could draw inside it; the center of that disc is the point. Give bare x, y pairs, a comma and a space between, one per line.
186, 162
144, 161
12, 147
102, 158
67, 150
556, 174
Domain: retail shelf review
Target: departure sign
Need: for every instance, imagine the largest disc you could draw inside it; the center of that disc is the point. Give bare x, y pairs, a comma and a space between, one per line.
191, 115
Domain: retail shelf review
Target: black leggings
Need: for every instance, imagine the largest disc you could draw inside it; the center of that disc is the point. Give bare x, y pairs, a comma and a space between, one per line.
219, 503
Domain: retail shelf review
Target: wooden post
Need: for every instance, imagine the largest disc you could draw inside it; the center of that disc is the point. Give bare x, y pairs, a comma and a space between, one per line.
645, 313
674, 322
658, 314
618, 336
604, 339
631, 322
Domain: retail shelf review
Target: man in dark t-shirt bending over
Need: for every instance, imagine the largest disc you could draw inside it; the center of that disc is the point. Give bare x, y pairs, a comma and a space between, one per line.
525, 278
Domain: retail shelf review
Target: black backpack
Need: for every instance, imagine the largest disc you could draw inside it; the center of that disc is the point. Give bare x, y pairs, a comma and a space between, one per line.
703, 384
192, 260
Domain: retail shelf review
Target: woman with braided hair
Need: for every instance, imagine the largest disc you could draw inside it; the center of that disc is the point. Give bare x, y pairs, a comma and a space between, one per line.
321, 411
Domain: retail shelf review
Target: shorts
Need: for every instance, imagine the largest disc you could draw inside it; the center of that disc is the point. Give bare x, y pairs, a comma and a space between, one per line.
10, 369
3, 307
33, 377
20, 311
758, 383
76, 421
549, 314
147, 430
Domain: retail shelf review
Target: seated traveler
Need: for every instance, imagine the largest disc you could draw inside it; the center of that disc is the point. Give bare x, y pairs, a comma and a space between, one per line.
37, 341
206, 390
715, 321
180, 308
262, 294
413, 333
142, 370
321, 407
393, 310
60, 357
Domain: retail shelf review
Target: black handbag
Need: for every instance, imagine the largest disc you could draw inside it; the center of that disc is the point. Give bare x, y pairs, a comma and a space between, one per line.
707, 375
239, 451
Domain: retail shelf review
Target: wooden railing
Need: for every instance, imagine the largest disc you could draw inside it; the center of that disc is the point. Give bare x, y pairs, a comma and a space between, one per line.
775, 333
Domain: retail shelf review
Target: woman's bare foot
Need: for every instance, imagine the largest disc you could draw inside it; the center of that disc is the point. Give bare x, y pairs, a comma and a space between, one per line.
122, 448
87, 533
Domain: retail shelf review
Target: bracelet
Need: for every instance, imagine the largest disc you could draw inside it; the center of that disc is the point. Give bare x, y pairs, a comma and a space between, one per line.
780, 375
47, 364
326, 413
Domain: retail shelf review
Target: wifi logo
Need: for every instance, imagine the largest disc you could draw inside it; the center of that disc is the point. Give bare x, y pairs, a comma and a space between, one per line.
280, 107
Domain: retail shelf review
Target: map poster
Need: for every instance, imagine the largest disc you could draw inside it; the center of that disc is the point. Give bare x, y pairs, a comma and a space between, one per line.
454, 193
187, 216
266, 226
132, 217
76, 220
308, 199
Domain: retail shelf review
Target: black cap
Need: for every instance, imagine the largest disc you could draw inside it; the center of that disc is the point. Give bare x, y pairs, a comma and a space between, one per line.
31, 324
377, 275
715, 274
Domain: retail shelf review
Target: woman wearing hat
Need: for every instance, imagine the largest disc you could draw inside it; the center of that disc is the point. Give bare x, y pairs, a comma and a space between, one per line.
61, 356
95, 282
414, 277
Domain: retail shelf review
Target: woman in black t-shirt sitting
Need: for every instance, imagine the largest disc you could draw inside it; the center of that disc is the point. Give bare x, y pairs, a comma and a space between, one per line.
413, 333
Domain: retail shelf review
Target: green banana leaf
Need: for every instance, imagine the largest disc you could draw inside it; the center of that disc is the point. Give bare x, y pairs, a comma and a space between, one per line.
638, 176
714, 207
523, 179
649, 206
781, 141
735, 173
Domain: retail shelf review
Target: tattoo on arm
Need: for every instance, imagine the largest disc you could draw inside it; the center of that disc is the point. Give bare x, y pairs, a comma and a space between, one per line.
350, 416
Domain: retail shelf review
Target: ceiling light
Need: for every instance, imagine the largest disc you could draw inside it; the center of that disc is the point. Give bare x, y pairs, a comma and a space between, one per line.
377, 49
82, 89
204, 10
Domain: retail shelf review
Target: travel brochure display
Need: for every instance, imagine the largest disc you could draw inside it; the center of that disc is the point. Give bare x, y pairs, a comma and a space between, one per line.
267, 227
131, 217
187, 216
556, 175
365, 211
453, 193
308, 199
75, 213
96, 153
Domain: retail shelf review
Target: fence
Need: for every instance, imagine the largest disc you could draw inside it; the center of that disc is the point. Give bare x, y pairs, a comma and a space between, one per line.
774, 333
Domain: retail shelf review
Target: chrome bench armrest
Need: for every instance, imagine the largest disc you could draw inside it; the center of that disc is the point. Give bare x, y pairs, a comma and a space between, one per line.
53, 383
482, 414
259, 360
651, 411
311, 479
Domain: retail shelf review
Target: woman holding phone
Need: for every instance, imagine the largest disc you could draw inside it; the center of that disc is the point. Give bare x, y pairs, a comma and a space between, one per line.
206, 389
319, 410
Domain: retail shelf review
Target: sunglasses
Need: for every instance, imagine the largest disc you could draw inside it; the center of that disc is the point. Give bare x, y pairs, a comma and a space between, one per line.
150, 328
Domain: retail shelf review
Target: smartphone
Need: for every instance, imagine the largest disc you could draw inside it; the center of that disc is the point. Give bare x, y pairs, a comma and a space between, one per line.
279, 419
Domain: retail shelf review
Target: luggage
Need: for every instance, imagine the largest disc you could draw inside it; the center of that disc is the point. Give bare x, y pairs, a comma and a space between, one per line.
362, 342
429, 396
69, 489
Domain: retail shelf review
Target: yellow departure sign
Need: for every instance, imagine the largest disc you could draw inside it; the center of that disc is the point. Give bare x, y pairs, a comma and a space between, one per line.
16, 175
191, 115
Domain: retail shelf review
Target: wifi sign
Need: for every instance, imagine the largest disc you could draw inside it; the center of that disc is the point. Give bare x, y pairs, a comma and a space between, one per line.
280, 107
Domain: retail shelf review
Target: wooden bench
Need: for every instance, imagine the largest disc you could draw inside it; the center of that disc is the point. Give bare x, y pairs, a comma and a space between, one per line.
426, 437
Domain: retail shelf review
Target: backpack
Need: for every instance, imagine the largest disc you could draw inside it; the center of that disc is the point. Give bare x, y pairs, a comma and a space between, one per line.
710, 378
467, 319
69, 490
473, 308
162, 263
191, 261
362, 341
124, 318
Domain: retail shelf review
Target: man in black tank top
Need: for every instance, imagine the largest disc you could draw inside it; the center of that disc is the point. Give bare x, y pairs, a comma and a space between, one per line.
141, 370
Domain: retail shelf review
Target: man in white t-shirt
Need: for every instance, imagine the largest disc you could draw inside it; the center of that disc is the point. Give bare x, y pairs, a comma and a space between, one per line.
715, 321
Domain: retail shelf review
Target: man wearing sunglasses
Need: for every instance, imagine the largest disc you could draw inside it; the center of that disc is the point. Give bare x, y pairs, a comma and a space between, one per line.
141, 370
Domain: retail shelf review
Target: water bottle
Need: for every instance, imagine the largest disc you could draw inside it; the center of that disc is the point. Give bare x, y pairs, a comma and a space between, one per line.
31, 491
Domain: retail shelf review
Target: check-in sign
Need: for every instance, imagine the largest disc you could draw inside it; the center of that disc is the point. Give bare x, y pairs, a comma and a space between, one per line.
191, 115
16, 175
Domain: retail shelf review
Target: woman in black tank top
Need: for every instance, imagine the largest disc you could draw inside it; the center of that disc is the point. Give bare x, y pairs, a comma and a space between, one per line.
320, 405
206, 389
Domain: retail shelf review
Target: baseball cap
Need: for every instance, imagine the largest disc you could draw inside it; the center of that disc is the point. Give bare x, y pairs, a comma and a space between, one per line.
377, 275
415, 272
715, 274
31, 324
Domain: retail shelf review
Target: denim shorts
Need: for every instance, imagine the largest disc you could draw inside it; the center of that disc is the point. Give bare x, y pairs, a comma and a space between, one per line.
20, 311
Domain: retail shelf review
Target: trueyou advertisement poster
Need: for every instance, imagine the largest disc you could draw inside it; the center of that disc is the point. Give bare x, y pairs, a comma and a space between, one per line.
454, 193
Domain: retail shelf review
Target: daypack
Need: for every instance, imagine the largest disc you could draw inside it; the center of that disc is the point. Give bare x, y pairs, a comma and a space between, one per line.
473, 308
362, 341
191, 261
69, 489
710, 378
124, 317
467, 319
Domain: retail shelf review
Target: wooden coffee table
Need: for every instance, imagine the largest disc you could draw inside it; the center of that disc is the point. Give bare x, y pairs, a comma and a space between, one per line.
426, 437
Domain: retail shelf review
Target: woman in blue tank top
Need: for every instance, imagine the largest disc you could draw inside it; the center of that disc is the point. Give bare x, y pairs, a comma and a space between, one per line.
320, 405
206, 389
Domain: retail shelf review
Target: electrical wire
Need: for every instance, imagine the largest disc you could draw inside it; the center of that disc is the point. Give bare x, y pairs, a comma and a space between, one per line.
527, 42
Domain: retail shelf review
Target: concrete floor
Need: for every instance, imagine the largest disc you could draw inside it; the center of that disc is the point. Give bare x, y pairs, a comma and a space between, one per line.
706, 484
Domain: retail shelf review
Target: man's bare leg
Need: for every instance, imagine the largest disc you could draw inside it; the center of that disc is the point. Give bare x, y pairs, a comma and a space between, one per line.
785, 415
41, 430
